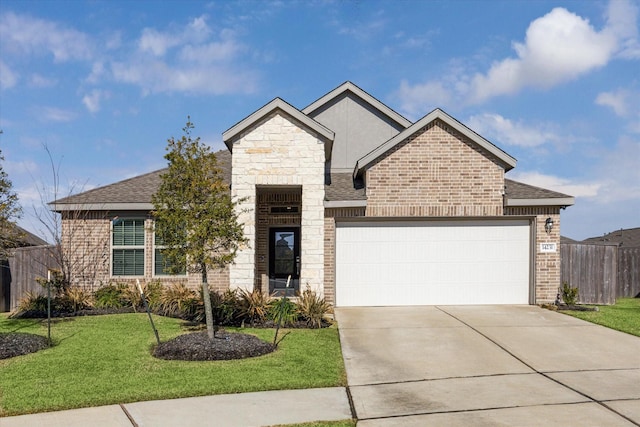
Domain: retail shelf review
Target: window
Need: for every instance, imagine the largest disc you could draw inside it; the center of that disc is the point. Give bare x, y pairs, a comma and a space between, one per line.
161, 265
128, 247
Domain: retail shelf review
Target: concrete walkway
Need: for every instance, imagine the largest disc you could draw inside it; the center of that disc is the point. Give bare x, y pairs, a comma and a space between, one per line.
487, 366
229, 410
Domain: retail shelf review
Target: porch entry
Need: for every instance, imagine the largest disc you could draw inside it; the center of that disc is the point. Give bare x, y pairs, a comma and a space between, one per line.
284, 261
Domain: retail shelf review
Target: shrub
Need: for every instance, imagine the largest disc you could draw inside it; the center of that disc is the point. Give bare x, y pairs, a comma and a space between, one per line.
253, 306
312, 308
131, 297
32, 301
179, 301
569, 294
77, 298
153, 293
111, 296
225, 306
283, 311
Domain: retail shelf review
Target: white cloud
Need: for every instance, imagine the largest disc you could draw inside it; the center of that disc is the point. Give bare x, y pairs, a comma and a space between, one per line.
158, 43
617, 101
92, 99
18, 168
191, 59
97, 72
503, 130
25, 35
8, 78
157, 76
615, 179
51, 114
558, 47
572, 187
622, 16
38, 80
414, 98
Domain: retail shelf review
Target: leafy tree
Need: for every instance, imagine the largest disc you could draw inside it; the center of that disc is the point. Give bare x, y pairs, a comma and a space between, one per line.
196, 219
10, 210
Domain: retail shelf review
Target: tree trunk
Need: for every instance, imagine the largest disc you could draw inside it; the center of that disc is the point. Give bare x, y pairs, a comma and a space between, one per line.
206, 296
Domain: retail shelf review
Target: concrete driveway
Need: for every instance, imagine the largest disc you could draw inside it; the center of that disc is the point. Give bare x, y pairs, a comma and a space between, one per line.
487, 366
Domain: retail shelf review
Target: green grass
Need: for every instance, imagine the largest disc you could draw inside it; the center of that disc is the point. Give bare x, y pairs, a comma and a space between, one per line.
100, 360
623, 316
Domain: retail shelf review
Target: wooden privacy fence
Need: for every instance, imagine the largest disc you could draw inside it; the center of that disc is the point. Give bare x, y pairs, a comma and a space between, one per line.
25, 266
601, 273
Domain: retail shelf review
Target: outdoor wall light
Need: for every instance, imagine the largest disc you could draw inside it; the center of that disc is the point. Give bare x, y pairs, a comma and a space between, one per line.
548, 225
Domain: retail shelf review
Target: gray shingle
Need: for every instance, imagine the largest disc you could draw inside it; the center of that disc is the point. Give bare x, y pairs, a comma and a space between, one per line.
518, 190
138, 189
341, 186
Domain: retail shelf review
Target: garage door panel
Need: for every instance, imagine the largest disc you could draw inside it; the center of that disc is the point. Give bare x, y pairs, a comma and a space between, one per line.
437, 262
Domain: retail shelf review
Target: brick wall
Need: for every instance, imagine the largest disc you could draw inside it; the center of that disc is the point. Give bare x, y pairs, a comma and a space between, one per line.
436, 172
547, 266
266, 199
86, 239
330, 216
86, 245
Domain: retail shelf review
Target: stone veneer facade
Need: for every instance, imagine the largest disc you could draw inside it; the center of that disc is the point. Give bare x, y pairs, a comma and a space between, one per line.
279, 152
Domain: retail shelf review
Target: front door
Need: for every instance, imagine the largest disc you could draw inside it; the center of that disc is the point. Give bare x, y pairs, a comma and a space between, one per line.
284, 261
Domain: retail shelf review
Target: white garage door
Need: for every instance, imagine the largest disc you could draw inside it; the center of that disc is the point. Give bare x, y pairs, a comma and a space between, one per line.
432, 262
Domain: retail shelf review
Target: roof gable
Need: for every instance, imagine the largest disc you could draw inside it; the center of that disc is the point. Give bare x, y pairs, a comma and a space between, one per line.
350, 87
501, 157
277, 104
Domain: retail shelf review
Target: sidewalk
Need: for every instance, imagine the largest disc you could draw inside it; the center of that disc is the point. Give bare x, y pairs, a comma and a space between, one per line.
264, 408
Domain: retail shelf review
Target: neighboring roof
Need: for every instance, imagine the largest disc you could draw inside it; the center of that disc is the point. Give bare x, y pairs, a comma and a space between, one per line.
629, 238
502, 157
278, 104
519, 194
27, 238
130, 194
349, 86
567, 240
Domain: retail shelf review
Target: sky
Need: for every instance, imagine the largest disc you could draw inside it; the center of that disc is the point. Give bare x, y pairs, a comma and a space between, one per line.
90, 91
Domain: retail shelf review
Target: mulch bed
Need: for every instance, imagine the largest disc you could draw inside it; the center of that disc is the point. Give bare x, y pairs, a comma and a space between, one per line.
17, 344
226, 346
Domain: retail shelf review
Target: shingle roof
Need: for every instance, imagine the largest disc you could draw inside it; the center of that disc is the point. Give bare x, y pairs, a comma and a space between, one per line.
137, 190
519, 190
342, 187
629, 237
520, 194
339, 187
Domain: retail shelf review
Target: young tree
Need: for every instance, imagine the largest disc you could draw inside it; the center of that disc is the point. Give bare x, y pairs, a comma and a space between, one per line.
10, 210
196, 219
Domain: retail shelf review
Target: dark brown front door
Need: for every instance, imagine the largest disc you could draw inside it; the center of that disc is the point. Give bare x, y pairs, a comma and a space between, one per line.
284, 260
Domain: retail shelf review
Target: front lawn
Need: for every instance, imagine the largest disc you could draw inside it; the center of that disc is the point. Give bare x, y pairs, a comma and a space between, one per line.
101, 360
623, 316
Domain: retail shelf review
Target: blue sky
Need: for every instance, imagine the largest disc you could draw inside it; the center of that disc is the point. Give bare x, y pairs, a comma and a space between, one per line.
103, 84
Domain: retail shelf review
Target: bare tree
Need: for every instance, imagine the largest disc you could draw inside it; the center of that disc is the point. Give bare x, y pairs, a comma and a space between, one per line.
79, 237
